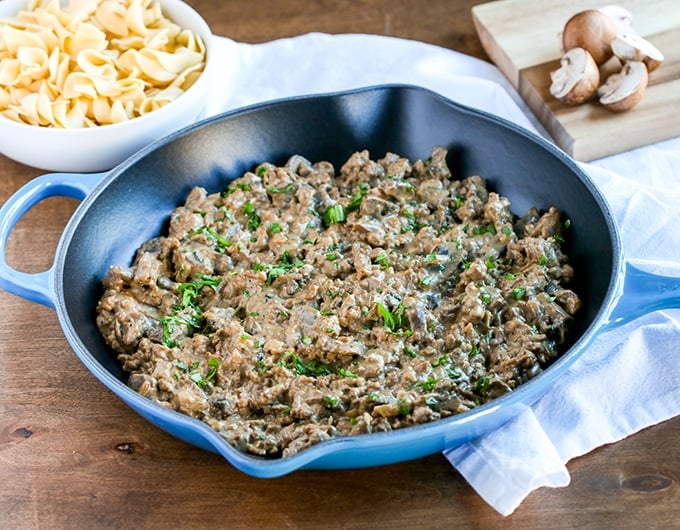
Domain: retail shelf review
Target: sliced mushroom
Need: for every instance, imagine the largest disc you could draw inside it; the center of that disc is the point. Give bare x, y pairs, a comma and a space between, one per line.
632, 47
624, 90
592, 30
577, 78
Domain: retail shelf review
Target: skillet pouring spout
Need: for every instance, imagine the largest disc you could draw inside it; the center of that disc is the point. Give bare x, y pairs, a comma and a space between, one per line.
130, 204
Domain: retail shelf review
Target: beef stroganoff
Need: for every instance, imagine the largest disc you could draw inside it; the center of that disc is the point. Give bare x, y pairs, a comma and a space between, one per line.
306, 302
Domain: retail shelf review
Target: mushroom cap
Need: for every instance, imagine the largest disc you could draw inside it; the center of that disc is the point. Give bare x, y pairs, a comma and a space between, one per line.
632, 47
591, 30
577, 78
623, 90
620, 15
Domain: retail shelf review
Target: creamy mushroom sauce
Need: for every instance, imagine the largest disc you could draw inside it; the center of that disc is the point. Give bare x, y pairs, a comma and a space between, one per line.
304, 303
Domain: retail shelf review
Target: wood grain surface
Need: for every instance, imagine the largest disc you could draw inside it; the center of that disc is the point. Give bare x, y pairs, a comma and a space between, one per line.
72, 455
521, 37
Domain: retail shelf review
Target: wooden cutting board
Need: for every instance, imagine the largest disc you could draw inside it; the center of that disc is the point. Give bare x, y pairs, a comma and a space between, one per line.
521, 37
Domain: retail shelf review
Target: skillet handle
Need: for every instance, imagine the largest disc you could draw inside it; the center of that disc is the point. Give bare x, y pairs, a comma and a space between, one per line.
643, 292
37, 287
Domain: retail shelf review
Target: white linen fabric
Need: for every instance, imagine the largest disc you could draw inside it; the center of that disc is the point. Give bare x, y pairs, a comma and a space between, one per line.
642, 187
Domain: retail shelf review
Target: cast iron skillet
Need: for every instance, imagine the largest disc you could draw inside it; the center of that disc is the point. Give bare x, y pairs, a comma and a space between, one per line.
132, 202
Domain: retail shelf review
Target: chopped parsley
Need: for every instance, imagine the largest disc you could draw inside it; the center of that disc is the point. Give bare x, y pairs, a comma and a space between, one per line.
344, 372
213, 236
453, 373
331, 401
411, 224
443, 359
483, 229
301, 367
251, 215
313, 367
275, 189
187, 311
277, 269
404, 408
483, 385
261, 170
429, 383
334, 214
518, 293
410, 352
191, 290
393, 321
382, 260
243, 186
485, 297
355, 202
195, 373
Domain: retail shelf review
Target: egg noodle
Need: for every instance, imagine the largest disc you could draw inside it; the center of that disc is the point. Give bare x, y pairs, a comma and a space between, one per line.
93, 62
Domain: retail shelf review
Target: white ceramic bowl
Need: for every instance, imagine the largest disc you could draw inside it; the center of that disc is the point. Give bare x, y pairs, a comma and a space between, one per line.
101, 148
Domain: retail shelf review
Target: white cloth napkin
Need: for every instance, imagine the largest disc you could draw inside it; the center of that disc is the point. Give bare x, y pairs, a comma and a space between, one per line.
642, 186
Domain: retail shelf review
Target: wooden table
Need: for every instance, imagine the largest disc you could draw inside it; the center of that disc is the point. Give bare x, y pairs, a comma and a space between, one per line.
73, 456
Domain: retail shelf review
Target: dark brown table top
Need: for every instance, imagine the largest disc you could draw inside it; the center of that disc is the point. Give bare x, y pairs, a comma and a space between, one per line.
73, 456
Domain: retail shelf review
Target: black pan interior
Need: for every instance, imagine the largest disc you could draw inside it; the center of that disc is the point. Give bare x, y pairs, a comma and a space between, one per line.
135, 200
